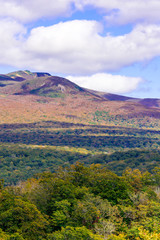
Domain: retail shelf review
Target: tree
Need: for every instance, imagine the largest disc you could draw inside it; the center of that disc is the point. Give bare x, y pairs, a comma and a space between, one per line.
74, 233
17, 215
134, 178
104, 228
61, 216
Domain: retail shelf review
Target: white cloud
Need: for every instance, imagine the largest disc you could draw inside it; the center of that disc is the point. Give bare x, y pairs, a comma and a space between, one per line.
107, 82
117, 11
127, 11
11, 34
29, 10
76, 47
67, 47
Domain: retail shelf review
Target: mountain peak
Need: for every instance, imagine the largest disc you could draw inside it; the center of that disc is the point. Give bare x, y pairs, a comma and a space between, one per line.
44, 84
39, 83
27, 75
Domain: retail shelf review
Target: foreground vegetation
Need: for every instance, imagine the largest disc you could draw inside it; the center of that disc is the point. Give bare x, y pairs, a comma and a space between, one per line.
78, 202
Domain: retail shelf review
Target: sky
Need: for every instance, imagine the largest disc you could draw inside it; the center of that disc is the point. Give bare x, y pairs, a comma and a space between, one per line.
106, 45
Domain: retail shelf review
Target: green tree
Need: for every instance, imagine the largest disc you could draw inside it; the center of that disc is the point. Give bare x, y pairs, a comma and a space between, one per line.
61, 216
17, 215
74, 233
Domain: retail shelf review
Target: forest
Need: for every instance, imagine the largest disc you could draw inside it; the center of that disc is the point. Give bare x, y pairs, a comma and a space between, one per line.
73, 181
20, 162
76, 164
30, 148
79, 202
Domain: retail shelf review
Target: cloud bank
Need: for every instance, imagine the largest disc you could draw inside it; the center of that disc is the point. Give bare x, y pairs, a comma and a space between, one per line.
76, 47
117, 12
107, 82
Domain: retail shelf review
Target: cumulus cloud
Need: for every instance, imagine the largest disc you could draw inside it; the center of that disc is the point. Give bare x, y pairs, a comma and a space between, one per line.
67, 46
127, 11
118, 12
29, 10
77, 47
11, 35
107, 82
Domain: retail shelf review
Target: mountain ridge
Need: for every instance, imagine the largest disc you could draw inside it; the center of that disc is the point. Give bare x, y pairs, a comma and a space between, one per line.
49, 81
26, 82
43, 97
148, 102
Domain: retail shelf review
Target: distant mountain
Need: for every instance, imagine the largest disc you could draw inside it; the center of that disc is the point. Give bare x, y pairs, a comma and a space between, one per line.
40, 84
5, 78
148, 102
19, 76
27, 75
25, 91
43, 84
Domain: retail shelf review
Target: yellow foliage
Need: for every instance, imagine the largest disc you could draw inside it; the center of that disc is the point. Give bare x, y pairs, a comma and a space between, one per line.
146, 235
121, 236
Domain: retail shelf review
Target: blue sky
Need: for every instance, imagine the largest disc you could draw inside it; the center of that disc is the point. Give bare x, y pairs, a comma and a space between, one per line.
111, 46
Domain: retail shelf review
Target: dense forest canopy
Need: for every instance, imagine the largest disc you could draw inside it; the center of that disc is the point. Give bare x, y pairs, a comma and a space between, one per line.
79, 202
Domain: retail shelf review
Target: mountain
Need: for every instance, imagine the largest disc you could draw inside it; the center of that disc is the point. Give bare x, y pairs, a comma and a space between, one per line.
27, 75
40, 84
19, 76
43, 84
48, 121
58, 143
66, 101
148, 102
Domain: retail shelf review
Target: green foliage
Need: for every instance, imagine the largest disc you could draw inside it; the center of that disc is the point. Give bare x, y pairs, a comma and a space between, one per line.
73, 233
117, 147
61, 216
16, 236
18, 215
3, 235
80, 202
86, 212
47, 92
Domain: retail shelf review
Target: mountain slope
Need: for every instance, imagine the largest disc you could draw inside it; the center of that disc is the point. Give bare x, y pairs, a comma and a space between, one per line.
148, 102
27, 75
40, 84
42, 97
43, 112
43, 84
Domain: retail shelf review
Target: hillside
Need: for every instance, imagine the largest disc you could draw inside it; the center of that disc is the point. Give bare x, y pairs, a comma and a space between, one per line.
40, 84
68, 101
60, 123
148, 102
76, 163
